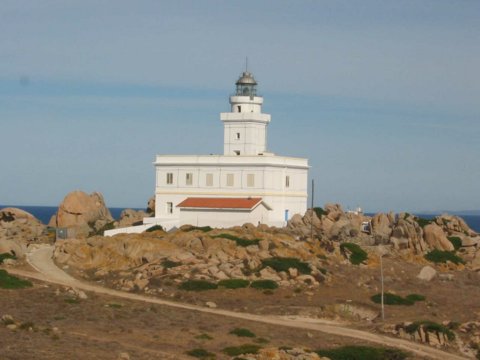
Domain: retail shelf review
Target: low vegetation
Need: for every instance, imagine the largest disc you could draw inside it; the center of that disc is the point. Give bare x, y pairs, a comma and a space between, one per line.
393, 299
8, 281
357, 254
423, 222
6, 256
456, 242
264, 284
203, 337
170, 264
430, 326
362, 353
240, 241
198, 285
439, 256
200, 353
319, 211
155, 228
234, 283
284, 263
242, 349
200, 228
241, 332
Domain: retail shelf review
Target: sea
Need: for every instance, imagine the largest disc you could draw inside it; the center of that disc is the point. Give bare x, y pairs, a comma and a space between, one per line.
44, 213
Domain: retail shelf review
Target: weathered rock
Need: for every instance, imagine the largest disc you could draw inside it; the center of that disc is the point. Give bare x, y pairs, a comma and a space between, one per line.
211, 304
130, 217
382, 225
427, 273
436, 239
151, 206
82, 212
408, 231
19, 228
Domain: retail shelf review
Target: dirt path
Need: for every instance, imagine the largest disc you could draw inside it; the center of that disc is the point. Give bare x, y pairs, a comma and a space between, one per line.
41, 260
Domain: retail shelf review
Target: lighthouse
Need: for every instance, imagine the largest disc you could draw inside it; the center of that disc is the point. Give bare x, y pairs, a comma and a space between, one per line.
246, 184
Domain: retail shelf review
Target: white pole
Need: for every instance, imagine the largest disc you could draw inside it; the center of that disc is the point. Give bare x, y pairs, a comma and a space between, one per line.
381, 277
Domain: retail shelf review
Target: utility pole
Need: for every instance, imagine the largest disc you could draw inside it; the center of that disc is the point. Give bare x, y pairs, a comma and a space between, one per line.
381, 277
311, 217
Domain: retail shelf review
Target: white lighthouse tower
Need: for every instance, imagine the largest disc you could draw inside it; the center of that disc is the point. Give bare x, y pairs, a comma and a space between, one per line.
245, 127
247, 184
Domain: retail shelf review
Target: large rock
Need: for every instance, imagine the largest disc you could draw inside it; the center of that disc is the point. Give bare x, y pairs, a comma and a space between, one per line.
151, 206
408, 232
436, 239
130, 217
82, 212
18, 228
452, 224
427, 273
382, 225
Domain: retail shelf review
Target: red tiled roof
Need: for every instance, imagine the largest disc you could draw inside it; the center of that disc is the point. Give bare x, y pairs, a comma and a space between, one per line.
220, 203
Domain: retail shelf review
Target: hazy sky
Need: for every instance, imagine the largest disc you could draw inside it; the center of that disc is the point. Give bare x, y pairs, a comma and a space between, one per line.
383, 97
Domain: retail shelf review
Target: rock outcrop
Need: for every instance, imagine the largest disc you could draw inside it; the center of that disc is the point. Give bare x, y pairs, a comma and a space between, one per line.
129, 217
83, 213
19, 228
436, 239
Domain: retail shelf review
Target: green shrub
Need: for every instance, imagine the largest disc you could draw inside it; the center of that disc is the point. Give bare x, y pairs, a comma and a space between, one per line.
264, 284
203, 337
283, 264
234, 283
456, 242
319, 211
391, 299
8, 281
197, 285
362, 353
200, 228
114, 306
240, 241
358, 255
423, 222
72, 301
6, 256
415, 297
242, 349
170, 264
439, 256
155, 228
201, 353
241, 332
26, 325
430, 326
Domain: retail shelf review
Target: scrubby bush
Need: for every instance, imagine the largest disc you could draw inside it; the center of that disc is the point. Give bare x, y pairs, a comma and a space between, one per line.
456, 242
6, 256
284, 263
8, 281
200, 228
201, 354
154, 228
357, 256
439, 256
319, 211
240, 241
203, 337
241, 332
430, 326
264, 284
393, 299
362, 353
197, 285
170, 264
234, 283
423, 222
242, 349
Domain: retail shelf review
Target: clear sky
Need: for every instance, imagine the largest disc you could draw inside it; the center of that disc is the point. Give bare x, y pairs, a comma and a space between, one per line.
383, 97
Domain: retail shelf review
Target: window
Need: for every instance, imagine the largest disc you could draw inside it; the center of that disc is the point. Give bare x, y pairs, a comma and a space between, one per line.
188, 178
237, 136
237, 152
229, 179
209, 180
287, 181
239, 108
250, 180
169, 178
169, 208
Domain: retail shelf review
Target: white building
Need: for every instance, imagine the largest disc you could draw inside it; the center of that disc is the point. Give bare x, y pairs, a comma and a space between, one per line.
245, 184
